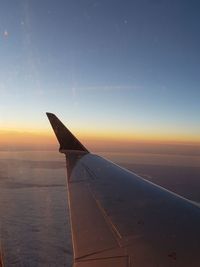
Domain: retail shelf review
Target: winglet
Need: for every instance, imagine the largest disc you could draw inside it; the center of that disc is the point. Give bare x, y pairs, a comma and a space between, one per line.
66, 139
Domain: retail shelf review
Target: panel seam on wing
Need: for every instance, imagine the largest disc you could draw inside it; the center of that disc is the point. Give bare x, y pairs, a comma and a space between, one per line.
108, 221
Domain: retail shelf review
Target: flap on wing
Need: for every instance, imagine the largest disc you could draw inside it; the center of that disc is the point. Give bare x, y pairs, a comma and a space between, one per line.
111, 262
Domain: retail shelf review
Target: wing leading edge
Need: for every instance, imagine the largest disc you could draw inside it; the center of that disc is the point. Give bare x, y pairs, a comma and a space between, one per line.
119, 219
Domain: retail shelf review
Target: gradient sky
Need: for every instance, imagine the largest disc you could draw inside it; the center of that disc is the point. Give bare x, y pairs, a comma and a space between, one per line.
107, 67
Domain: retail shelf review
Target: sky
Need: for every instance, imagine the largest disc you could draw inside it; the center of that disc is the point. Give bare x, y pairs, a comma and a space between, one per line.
110, 69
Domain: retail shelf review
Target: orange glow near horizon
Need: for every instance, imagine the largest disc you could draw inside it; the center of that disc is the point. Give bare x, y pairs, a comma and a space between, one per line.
96, 140
22, 139
122, 136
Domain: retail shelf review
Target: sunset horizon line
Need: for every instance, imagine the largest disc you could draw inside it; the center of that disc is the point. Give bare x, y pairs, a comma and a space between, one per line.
29, 136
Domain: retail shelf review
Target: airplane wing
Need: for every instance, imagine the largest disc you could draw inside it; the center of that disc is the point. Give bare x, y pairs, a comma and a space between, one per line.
118, 219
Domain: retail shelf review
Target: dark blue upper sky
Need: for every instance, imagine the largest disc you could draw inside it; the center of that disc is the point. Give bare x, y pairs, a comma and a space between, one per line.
104, 62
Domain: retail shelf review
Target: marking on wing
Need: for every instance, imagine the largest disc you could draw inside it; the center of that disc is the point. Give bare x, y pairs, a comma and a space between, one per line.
107, 219
91, 233
105, 215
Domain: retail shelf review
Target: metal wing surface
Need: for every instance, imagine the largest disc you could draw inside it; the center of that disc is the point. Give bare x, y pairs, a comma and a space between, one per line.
119, 219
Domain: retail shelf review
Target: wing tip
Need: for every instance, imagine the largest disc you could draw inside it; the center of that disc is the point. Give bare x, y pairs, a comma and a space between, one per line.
65, 138
50, 114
